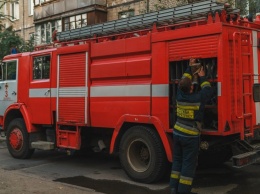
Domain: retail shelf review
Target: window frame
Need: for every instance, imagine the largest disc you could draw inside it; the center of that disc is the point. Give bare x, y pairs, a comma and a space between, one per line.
3, 9
70, 21
5, 70
30, 7
43, 65
128, 13
39, 2
14, 11
43, 31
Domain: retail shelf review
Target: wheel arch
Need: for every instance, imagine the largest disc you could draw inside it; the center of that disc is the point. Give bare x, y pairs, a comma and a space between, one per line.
128, 121
17, 111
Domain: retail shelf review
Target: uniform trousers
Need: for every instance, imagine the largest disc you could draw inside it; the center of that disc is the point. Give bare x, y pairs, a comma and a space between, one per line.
185, 158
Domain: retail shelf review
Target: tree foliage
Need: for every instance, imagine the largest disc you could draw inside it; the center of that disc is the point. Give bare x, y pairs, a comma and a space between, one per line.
254, 6
9, 38
28, 46
242, 5
247, 7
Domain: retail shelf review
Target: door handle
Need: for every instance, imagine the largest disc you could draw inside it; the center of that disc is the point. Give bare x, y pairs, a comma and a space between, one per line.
47, 92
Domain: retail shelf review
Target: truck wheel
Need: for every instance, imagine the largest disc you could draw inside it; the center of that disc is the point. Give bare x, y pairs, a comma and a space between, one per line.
18, 140
142, 155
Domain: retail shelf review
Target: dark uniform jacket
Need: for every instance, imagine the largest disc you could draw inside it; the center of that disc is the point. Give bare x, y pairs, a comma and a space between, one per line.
190, 108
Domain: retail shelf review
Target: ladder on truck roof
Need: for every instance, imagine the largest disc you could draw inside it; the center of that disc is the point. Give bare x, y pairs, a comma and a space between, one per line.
185, 13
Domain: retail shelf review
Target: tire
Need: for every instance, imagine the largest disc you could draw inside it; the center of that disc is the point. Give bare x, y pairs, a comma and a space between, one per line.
17, 139
142, 155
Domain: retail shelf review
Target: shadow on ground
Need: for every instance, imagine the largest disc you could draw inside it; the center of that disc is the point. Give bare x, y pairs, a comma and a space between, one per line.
110, 186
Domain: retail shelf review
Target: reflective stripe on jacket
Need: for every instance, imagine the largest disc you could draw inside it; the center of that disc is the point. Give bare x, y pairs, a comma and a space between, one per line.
190, 107
187, 110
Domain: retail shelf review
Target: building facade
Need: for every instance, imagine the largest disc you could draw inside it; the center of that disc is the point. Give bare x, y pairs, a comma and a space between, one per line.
61, 15
125, 8
19, 14
43, 17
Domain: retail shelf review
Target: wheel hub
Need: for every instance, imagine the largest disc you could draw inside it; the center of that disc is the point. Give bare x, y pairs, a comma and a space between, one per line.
16, 139
138, 155
144, 153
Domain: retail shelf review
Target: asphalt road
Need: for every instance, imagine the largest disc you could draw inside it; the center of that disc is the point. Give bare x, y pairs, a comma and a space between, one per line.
56, 172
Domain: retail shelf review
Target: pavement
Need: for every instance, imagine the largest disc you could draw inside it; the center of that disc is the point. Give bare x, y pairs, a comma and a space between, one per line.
17, 181
2, 141
2, 138
24, 183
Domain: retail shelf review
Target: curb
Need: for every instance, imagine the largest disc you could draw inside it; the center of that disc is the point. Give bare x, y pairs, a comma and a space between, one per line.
2, 138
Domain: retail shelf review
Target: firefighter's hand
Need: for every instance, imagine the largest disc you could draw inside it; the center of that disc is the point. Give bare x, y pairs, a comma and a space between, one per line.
201, 73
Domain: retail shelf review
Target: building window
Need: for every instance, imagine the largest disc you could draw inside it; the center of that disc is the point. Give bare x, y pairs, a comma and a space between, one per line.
37, 35
44, 31
31, 36
30, 7
126, 14
14, 10
3, 10
76, 21
38, 2
41, 67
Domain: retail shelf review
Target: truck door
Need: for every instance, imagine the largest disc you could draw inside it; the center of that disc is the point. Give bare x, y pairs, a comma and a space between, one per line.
40, 91
8, 84
72, 88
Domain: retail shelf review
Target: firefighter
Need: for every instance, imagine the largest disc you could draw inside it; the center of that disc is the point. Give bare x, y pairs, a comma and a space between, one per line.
186, 134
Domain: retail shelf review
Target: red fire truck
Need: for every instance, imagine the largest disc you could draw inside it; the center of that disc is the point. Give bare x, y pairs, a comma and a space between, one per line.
112, 86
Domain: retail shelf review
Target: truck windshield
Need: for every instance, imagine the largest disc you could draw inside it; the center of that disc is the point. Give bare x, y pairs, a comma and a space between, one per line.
8, 70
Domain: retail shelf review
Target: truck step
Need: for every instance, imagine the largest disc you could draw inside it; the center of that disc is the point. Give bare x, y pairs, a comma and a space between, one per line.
249, 134
42, 145
256, 146
245, 159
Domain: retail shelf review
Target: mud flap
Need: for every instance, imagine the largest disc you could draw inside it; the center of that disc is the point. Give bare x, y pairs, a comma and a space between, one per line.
245, 159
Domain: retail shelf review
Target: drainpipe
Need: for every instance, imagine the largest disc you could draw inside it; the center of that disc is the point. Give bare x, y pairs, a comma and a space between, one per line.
147, 6
23, 22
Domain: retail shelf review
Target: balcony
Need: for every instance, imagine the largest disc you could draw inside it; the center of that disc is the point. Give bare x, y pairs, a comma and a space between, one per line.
64, 8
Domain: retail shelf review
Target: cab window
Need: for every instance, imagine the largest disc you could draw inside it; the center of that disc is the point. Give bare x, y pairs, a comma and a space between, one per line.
41, 67
8, 70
